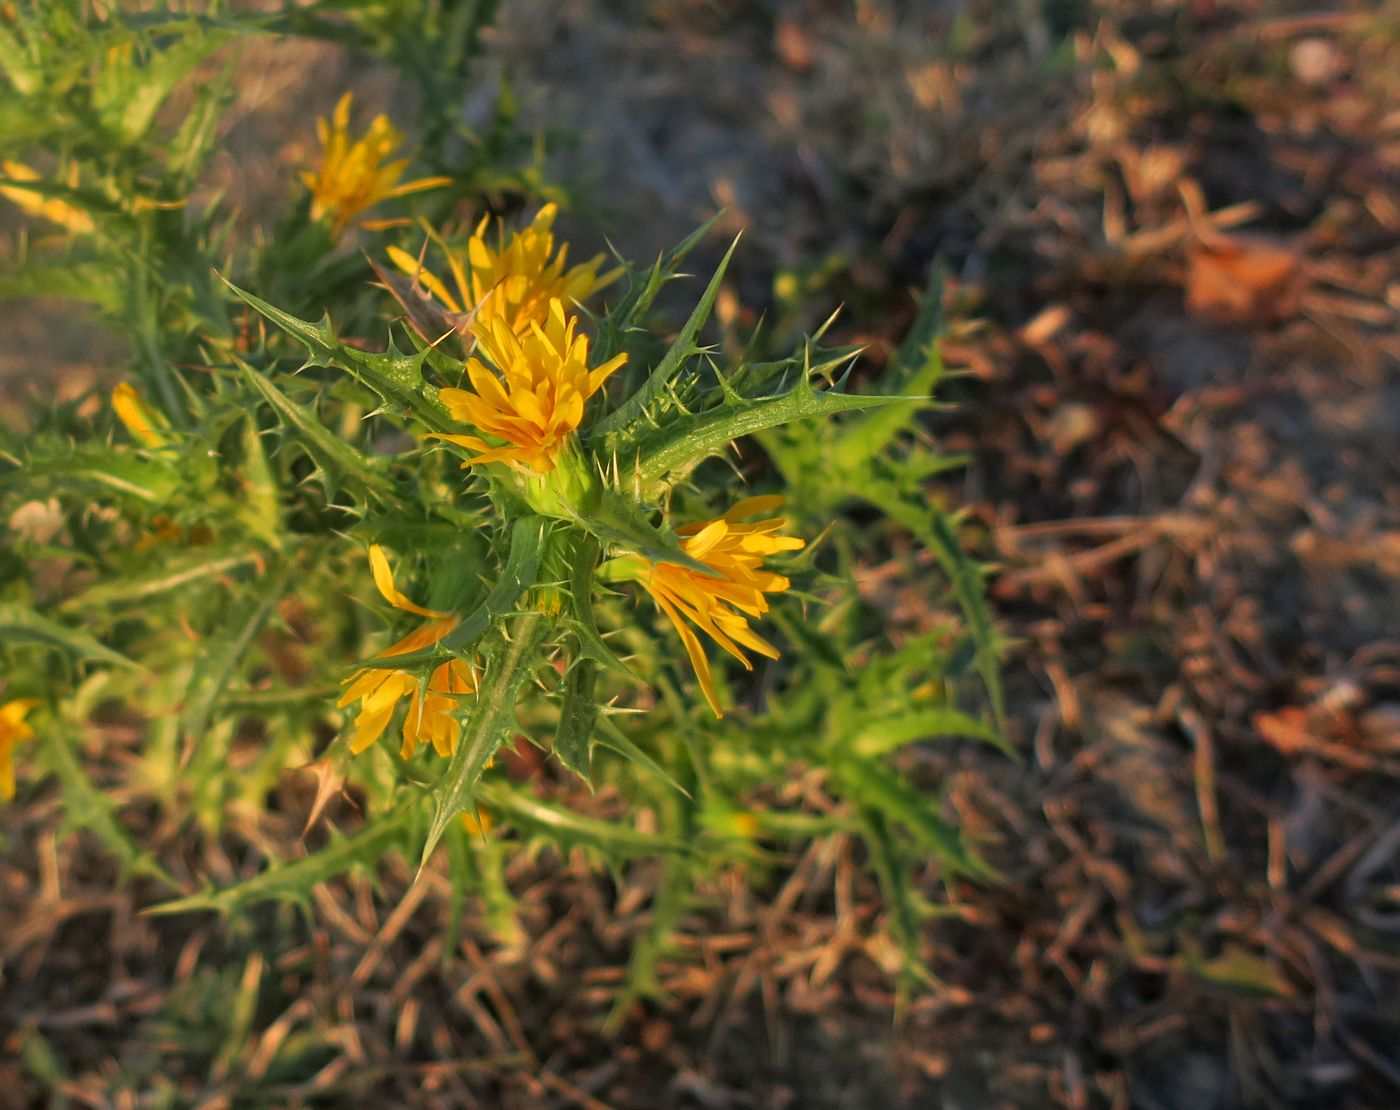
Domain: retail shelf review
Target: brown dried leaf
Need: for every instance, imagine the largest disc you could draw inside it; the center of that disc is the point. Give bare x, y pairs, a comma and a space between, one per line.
428, 318
1287, 730
1242, 280
793, 45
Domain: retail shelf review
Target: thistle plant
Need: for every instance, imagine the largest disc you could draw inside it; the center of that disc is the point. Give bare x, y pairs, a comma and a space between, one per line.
578, 496
391, 516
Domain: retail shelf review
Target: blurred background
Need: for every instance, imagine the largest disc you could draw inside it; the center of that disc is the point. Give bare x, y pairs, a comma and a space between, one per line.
1168, 239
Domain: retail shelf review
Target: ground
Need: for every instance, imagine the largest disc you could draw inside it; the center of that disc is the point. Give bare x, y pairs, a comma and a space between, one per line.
1170, 248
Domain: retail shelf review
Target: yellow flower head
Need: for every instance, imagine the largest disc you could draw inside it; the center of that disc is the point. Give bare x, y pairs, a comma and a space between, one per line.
721, 606
515, 280
353, 175
35, 203
380, 689
143, 422
13, 729
537, 400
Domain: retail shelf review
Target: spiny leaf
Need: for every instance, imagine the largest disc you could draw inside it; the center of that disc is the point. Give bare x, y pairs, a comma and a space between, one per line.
241, 1010
583, 627
340, 464
518, 575
906, 906
127, 94
490, 721
146, 479
260, 508
87, 807
215, 665
637, 302
293, 882
396, 377
478, 867
609, 736
82, 281
21, 62
612, 840
667, 905
931, 527
618, 519
577, 711
882, 790
175, 572
691, 439
632, 410
888, 734
19, 624
865, 437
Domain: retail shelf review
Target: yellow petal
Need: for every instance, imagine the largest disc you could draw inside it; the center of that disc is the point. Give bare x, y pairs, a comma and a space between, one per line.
696, 652
754, 506
384, 580
138, 417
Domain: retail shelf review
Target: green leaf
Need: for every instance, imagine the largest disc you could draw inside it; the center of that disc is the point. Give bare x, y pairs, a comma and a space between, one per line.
294, 882
216, 664
879, 789
22, 67
906, 907
932, 528
517, 576
490, 721
394, 376
260, 507
619, 520
128, 93
81, 281
174, 572
121, 471
693, 438
340, 464
632, 411
242, 1009
87, 807
578, 711
631, 311
582, 625
668, 904
609, 736
889, 734
612, 840
199, 131
478, 867
914, 372
19, 624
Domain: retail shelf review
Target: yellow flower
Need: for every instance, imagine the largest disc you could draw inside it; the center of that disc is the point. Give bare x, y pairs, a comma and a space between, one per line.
380, 689
36, 203
516, 280
353, 175
720, 607
143, 422
537, 400
13, 729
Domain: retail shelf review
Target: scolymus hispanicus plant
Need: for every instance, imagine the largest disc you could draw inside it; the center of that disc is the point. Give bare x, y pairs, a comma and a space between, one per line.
504, 375
403, 485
